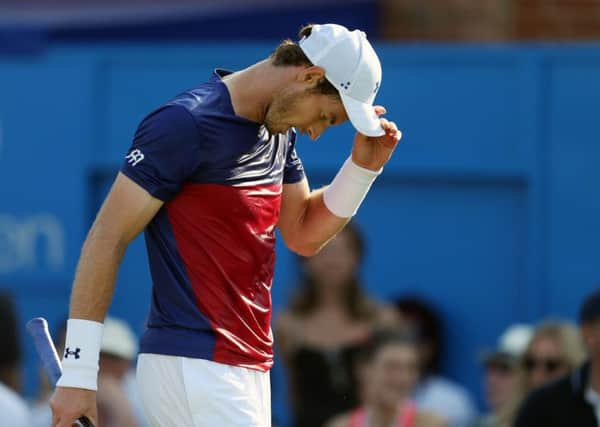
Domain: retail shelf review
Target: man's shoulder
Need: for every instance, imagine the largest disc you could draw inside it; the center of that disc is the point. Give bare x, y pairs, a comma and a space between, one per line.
185, 112
209, 97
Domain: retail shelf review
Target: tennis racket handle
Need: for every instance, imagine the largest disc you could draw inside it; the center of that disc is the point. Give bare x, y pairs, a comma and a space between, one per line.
38, 329
84, 422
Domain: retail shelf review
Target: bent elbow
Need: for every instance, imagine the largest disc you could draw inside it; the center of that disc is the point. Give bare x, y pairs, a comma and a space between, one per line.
306, 250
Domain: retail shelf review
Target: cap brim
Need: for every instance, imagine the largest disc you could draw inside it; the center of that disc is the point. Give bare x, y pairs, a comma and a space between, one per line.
362, 116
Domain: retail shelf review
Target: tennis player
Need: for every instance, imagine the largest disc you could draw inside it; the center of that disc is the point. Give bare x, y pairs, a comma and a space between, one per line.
209, 177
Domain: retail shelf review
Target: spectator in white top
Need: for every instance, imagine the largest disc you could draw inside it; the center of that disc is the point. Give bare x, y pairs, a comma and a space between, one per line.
13, 409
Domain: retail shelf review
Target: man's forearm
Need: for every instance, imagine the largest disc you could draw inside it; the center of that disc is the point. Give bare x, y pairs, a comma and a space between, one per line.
90, 298
95, 276
329, 209
317, 226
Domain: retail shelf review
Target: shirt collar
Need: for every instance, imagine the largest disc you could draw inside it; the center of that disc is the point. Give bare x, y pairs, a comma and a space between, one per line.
219, 73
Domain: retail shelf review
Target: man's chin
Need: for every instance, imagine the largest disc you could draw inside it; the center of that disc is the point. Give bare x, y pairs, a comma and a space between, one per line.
274, 130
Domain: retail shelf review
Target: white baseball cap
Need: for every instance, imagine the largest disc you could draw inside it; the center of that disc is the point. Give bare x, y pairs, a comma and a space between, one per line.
512, 344
118, 339
352, 67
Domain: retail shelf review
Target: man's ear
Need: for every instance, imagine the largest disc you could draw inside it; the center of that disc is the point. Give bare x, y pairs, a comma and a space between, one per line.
311, 75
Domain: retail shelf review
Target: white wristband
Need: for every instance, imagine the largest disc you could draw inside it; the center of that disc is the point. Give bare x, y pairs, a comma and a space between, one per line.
82, 350
348, 189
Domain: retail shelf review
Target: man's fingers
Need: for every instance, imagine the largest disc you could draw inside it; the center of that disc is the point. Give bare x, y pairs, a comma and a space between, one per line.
64, 422
379, 110
386, 124
390, 128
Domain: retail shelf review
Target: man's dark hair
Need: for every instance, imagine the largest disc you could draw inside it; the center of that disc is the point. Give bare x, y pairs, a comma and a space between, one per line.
590, 310
289, 54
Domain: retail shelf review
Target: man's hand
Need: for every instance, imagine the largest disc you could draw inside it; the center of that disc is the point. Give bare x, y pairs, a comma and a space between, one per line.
374, 152
68, 404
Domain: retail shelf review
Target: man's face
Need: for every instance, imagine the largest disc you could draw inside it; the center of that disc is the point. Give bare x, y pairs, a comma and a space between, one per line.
300, 106
500, 382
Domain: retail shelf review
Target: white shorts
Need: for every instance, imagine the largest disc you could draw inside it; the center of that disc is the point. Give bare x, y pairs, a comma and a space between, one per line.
184, 392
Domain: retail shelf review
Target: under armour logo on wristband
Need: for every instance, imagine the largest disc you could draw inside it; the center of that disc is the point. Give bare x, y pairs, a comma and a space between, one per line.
69, 352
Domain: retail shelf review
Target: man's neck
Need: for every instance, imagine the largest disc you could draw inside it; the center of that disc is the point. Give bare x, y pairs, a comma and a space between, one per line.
252, 89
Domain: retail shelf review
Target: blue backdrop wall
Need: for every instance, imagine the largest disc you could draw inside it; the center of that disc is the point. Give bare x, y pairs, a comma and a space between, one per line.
489, 208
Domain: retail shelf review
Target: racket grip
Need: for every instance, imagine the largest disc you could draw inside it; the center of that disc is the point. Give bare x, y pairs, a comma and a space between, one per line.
84, 422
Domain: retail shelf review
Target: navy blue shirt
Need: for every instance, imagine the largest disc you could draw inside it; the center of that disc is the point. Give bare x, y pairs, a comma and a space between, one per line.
211, 245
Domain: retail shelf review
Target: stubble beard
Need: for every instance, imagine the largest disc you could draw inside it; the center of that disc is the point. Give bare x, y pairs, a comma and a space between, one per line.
278, 114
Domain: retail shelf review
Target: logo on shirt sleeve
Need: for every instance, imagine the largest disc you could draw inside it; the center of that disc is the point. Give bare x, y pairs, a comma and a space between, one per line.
134, 157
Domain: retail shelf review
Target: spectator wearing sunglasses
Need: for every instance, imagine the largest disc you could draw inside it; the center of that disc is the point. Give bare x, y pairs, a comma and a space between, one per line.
574, 400
554, 350
502, 373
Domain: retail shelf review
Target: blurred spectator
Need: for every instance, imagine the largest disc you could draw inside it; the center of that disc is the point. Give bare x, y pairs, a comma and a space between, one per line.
117, 351
388, 372
502, 373
321, 333
434, 393
13, 409
574, 400
555, 349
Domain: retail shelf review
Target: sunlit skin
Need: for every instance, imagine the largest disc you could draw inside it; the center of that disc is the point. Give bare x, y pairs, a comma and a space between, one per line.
545, 348
309, 112
283, 97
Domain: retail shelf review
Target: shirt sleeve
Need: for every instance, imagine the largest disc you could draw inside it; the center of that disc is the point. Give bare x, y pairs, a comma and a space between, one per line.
294, 170
165, 152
